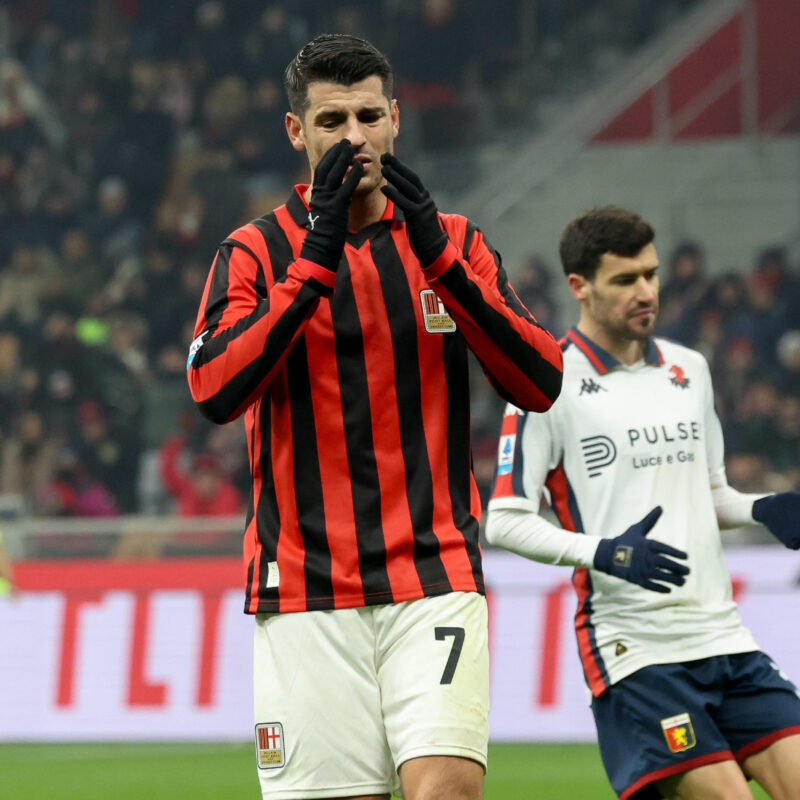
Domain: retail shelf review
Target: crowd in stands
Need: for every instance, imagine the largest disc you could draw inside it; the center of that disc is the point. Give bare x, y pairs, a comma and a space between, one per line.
135, 135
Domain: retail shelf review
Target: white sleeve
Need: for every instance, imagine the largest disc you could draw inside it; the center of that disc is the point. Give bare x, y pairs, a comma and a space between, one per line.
512, 520
528, 534
733, 508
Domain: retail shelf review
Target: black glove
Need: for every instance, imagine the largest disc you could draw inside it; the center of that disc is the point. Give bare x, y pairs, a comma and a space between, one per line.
330, 205
638, 560
781, 514
406, 191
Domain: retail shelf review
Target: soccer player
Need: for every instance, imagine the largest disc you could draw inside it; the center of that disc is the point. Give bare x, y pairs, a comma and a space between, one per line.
339, 325
630, 458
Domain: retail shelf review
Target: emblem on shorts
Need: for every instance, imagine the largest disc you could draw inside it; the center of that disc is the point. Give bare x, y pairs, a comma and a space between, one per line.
678, 732
269, 745
437, 320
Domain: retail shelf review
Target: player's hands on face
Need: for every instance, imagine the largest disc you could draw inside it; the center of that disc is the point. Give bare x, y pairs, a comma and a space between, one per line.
781, 515
331, 193
405, 190
637, 559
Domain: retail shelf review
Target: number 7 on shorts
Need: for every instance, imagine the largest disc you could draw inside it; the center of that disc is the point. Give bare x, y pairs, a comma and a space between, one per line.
458, 642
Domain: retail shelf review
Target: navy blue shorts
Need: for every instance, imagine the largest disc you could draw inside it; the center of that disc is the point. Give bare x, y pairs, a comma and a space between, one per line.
670, 718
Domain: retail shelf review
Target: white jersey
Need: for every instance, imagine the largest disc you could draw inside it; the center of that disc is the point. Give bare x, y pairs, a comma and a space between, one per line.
619, 441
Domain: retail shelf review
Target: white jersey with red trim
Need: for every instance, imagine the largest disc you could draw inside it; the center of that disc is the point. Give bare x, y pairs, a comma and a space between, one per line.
619, 441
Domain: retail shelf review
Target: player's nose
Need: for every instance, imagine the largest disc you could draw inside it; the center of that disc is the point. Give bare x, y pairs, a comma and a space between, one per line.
355, 133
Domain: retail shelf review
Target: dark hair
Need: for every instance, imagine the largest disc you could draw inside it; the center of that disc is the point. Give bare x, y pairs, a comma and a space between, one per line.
336, 58
606, 229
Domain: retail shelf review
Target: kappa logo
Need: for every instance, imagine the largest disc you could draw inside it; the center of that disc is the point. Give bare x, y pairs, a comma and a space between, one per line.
312, 220
588, 386
269, 745
598, 452
678, 732
678, 377
436, 318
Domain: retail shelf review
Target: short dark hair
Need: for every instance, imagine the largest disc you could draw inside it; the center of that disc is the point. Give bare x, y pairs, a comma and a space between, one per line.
336, 58
605, 229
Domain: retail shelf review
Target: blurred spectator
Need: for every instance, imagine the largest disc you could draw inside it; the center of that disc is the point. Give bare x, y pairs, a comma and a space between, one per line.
29, 461
682, 291
200, 489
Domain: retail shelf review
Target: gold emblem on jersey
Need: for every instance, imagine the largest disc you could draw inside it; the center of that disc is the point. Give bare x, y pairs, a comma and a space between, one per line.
620, 649
436, 318
678, 732
269, 745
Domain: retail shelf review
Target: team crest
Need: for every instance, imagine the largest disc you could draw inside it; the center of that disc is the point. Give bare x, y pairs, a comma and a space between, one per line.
678, 732
437, 320
678, 377
269, 745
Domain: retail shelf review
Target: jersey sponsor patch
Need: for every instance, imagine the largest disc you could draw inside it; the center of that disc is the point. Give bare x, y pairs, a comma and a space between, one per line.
678, 732
194, 347
505, 453
269, 745
437, 320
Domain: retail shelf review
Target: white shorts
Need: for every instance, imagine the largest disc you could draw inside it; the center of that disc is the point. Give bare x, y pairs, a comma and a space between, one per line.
344, 697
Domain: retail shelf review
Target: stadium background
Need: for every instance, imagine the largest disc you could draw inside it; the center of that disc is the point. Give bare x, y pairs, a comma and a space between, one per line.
134, 135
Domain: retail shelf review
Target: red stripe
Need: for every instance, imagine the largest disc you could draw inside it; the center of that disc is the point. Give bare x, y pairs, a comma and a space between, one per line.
674, 769
765, 741
504, 484
334, 470
594, 675
587, 351
251, 546
291, 551
556, 483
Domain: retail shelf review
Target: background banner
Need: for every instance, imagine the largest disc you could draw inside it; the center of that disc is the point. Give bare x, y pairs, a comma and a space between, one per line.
160, 650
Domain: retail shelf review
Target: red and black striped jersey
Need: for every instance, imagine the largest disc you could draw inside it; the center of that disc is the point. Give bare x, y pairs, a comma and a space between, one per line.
355, 394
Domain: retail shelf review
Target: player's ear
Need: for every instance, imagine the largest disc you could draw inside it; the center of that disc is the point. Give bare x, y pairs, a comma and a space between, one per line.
578, 285
294, 130
394, 113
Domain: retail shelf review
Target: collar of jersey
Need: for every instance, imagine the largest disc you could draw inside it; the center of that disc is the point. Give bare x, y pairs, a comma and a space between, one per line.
298, 208
604, 362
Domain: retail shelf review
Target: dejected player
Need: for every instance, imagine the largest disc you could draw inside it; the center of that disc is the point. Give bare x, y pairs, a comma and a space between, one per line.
631, 456
339, 325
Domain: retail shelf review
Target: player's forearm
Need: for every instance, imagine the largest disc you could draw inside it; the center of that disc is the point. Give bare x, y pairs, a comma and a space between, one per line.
528, 534
523, 359
234, 365
733, 508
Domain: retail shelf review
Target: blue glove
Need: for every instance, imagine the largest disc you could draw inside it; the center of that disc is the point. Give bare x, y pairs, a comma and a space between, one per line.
638, 560
329, 208
781, 514
406, 191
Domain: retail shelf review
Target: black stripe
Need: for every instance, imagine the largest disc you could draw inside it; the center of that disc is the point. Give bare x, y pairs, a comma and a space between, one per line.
357, 420
459, 456
472, 229
278, 245
268, 518
419, 481
307, 481
218, 291
546, 376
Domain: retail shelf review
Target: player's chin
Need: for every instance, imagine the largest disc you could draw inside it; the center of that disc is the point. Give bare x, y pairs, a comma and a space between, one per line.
642, 324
